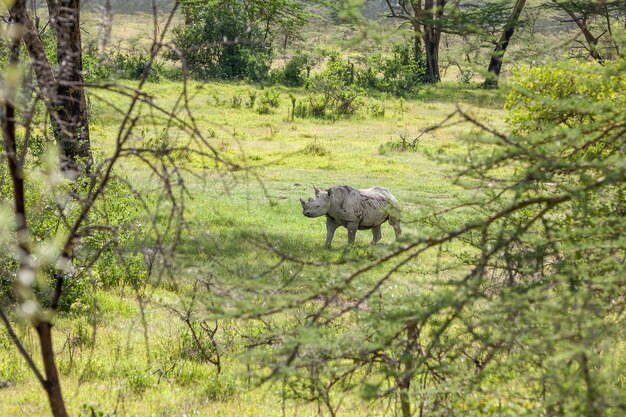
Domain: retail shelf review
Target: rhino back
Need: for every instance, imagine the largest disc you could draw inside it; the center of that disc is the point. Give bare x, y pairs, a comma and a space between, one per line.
367, 207
383, 192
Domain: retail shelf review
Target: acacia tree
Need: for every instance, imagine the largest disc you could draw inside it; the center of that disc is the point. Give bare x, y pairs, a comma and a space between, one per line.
587, 15
495, 63
425, 19
233, 39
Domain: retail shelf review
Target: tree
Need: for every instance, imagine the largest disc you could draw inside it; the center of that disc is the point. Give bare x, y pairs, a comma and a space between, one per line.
425, 19
233, 39
63, 92
586, 15
495, 63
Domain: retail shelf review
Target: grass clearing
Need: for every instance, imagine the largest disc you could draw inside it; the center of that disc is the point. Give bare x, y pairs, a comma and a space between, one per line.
135, 366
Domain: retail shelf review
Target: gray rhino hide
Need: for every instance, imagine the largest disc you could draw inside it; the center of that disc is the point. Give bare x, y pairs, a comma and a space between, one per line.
353, 209
365, 207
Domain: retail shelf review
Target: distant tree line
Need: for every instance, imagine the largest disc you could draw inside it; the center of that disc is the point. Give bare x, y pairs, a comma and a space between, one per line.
122, 6
233, 39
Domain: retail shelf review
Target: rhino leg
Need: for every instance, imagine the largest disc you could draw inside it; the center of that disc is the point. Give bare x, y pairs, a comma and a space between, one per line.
395, 223
352, 228
330, 231
376, 234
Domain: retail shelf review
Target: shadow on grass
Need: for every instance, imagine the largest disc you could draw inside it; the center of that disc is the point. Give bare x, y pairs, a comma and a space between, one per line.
462, 93
258, 260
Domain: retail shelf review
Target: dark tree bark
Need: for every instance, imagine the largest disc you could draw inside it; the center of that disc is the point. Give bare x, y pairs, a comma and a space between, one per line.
495, 64
425, 19
51, 382
65, 92
73, 135
418, 49
592, 41
433, 12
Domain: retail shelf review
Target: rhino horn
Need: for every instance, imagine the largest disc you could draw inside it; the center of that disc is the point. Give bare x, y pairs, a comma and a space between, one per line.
317, 191
302, 202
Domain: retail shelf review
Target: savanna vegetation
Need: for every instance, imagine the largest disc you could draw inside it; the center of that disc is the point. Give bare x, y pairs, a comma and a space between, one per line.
154, 259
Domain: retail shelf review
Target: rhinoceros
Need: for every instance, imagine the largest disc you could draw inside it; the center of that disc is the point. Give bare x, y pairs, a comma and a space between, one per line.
354, 209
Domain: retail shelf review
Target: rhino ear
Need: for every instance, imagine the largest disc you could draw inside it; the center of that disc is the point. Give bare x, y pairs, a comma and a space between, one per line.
317, 191
302, 202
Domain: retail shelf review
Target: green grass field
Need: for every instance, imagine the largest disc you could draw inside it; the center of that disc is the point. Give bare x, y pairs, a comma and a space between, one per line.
138, 364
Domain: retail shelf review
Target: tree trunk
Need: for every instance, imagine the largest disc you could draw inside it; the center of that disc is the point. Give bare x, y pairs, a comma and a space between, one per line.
106, 25
64, 94
581, 22
404, 381
417, 41
405, 402
52, 383
495, 64
431, 38
433, 11
70, 100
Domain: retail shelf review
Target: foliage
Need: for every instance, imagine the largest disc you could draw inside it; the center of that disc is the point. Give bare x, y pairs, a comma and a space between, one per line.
485, 20
334, 92
541, 96
403, 145
399, 74
267, 100
133, 64
295, 72
526, 318
222, 39
94, 66
594, 19
117, 260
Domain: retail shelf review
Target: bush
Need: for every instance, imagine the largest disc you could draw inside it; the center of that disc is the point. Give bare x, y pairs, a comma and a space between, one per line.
269, 99
133, 65
221, 40
95, 67
316, 106
537, 95
398, 74
296, 71
377, 110
334, 92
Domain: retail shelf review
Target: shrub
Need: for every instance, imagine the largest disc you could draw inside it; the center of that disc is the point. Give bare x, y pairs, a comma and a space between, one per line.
316, 106
315, 149
133, 65
236, 102
251, 99
334, 92
377, 110
220, 39
268, 100
296, 71
398, 74
95, 65
402, 145
537, 96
